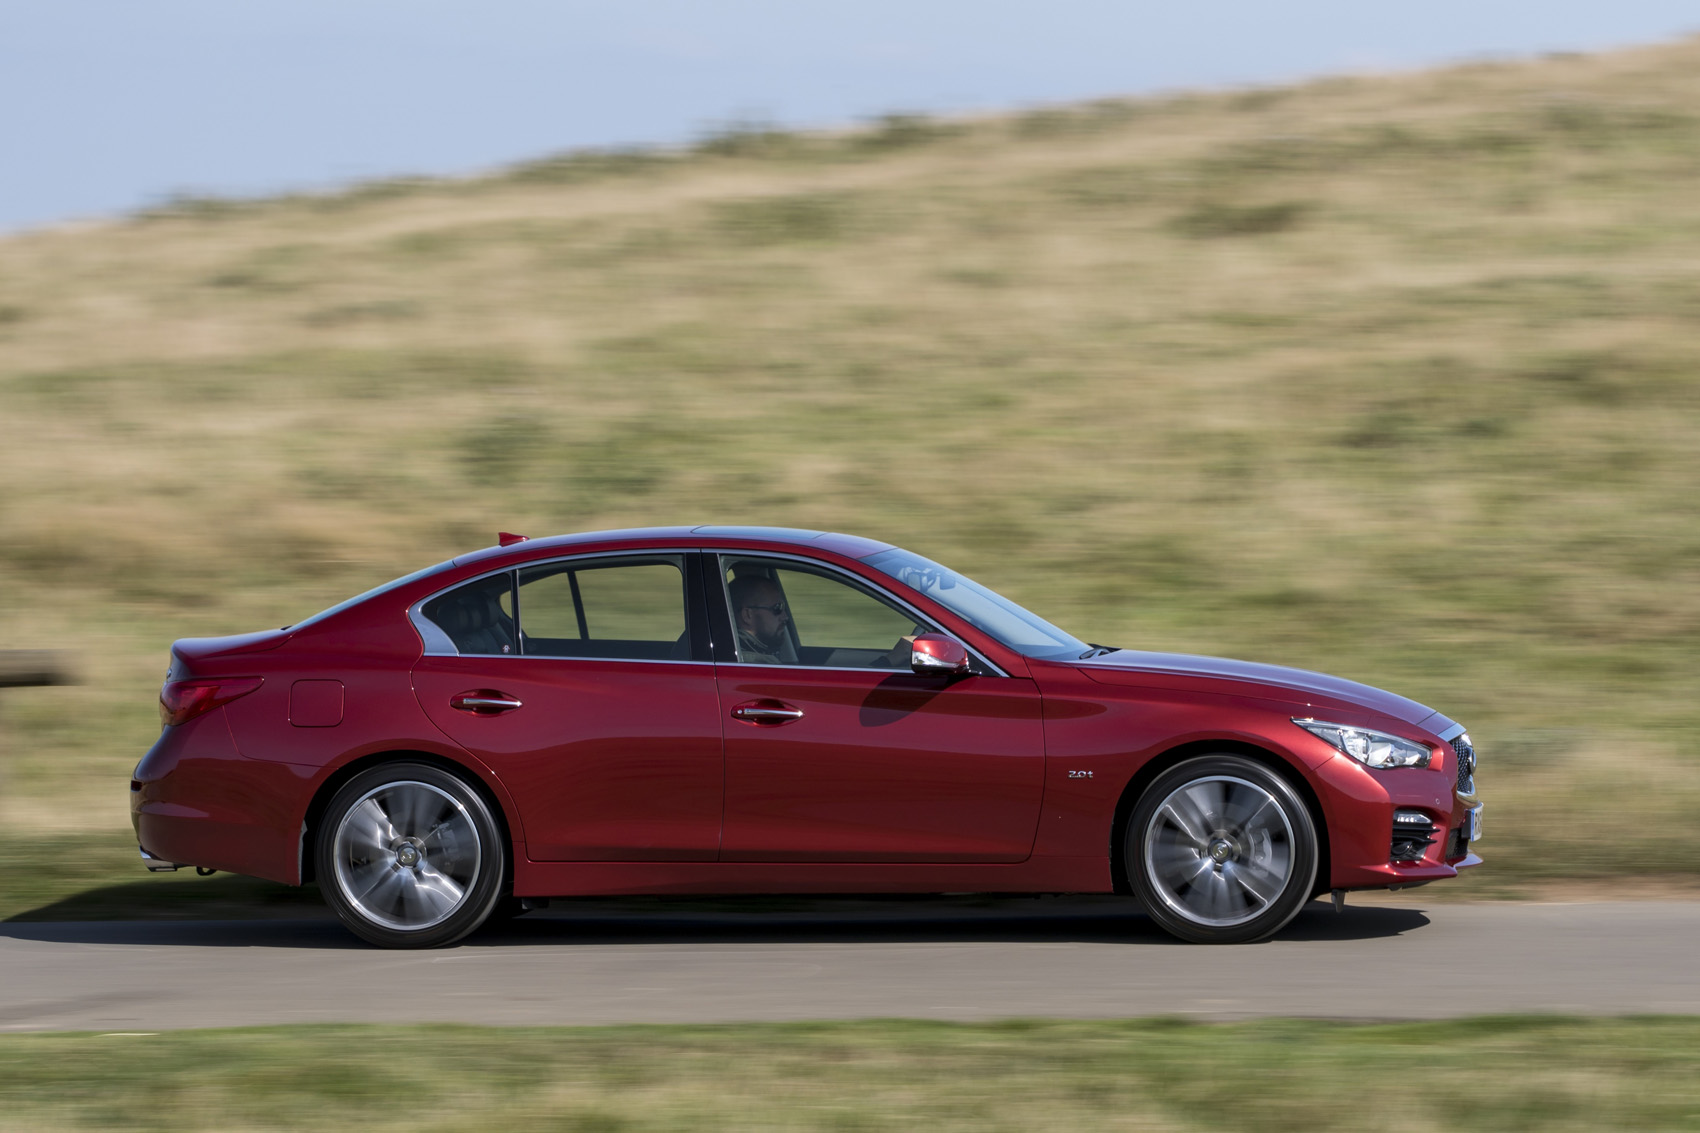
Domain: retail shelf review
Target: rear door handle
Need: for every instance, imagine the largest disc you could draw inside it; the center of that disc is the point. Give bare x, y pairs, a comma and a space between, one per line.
485, 702
767, 712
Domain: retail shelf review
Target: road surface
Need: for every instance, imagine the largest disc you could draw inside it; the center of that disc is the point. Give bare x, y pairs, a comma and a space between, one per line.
936, 960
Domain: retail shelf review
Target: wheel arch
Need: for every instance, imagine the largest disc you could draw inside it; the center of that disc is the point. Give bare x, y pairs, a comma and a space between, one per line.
1160, 763
333, 783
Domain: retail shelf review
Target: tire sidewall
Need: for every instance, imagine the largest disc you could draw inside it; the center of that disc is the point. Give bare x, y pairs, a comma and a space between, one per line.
486, 890
1299, 820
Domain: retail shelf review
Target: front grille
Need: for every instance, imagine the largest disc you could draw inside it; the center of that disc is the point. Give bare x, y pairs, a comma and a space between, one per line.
1466, 754
1413, 833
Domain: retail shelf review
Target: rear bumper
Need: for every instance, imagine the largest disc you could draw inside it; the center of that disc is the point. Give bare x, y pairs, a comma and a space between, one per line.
194, 800
158, 865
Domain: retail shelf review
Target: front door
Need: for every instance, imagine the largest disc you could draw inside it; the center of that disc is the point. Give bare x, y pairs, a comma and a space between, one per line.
587, 699
836, 752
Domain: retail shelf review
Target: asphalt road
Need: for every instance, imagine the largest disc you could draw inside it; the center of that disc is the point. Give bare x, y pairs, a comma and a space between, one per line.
935, 960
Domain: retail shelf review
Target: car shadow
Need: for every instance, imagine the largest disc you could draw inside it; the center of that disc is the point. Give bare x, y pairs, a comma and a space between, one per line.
182, 896
320, 932
636, 922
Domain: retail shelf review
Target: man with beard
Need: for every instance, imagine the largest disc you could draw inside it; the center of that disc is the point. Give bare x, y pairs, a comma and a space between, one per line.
760, 617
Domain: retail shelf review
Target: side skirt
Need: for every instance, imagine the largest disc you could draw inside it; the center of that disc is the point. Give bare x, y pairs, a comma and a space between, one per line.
602, 879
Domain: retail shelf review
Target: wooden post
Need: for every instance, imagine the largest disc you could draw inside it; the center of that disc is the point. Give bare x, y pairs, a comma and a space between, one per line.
24, 668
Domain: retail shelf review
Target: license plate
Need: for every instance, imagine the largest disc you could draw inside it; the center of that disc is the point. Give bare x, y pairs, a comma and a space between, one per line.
1476, 823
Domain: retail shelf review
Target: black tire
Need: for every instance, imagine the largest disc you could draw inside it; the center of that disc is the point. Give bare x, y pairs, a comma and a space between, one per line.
1221, 849
410, 856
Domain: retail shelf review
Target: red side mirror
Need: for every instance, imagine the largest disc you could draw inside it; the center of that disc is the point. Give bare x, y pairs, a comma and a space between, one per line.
934, 654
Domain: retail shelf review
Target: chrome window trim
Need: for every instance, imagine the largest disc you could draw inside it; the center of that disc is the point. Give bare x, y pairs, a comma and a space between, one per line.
920, 616
437, 643
432, 634
758, 665
546, 657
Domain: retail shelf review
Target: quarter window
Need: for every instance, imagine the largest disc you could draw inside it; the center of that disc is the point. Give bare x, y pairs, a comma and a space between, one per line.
478, 617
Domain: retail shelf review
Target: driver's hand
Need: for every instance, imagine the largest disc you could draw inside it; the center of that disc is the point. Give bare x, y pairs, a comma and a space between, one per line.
902, 653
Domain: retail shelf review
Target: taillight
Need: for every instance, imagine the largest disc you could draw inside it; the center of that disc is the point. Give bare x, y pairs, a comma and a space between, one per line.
180, 701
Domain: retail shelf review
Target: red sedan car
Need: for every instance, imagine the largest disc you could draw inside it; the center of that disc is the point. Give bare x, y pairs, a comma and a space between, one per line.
760, 710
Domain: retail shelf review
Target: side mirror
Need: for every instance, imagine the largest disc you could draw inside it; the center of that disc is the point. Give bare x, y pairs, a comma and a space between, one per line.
934, 654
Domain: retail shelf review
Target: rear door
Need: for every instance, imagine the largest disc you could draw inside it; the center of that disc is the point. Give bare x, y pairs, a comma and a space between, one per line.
836, 752
586, 685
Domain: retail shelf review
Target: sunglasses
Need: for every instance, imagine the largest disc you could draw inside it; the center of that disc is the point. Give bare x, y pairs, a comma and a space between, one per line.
776, 609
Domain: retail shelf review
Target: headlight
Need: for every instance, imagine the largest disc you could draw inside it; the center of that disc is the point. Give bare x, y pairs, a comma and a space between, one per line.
1370, 748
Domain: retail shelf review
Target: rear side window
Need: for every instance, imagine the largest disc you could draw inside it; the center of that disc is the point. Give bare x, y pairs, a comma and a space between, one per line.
623, 609
478, 617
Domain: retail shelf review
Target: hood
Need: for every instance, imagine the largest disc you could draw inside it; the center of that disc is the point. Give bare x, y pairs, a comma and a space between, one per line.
1128, 666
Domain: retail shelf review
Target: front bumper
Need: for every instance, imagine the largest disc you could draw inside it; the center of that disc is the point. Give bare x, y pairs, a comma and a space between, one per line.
1361, 805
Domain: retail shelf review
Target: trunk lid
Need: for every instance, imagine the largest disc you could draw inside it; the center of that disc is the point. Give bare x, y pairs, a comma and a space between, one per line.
188, 653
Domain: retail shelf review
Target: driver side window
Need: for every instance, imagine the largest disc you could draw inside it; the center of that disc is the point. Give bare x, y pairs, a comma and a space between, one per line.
788, 613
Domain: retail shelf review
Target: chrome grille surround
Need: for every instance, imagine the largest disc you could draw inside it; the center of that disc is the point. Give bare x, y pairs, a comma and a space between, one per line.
1466, 753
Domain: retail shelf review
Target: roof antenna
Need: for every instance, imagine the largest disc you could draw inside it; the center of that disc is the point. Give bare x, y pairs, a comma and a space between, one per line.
508, 538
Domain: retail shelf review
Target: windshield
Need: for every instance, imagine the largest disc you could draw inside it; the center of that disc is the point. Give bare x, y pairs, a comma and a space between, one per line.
372, 593
986, 610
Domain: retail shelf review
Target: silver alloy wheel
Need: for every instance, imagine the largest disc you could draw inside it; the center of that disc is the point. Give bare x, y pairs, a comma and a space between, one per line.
1219, 851
407, 855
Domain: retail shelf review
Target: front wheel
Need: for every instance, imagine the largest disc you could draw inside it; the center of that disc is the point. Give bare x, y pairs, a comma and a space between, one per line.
1221, 850
409, 856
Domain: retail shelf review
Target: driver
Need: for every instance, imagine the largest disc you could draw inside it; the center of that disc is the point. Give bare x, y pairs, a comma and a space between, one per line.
761, 618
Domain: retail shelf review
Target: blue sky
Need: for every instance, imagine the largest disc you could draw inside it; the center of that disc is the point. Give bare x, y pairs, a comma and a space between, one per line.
108, 105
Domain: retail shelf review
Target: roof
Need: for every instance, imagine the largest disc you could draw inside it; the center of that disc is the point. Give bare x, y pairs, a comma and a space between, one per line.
852, 546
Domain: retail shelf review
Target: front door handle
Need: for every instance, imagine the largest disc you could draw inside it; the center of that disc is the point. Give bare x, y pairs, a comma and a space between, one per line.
770, 713
485, 702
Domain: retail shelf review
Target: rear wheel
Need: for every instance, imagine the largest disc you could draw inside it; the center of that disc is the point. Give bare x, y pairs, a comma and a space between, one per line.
410, 856
1221, 849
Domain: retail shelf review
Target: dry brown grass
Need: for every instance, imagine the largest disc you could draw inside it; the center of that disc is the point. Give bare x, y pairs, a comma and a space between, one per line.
1493, 1073
1392, 377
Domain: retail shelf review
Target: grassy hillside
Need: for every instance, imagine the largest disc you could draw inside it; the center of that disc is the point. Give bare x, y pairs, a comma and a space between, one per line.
1495, 1074
1391, 377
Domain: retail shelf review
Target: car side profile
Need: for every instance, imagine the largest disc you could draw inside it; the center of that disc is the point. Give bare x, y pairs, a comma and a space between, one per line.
723, 710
